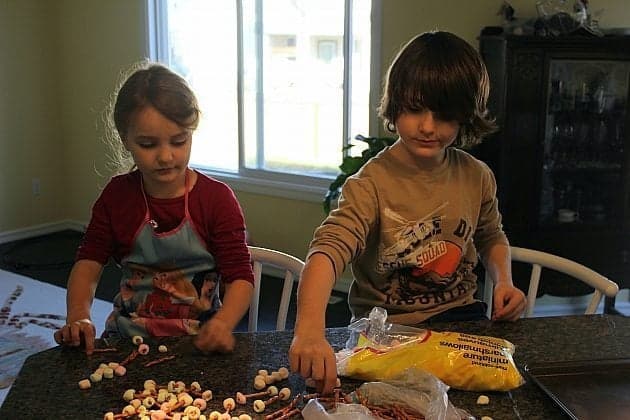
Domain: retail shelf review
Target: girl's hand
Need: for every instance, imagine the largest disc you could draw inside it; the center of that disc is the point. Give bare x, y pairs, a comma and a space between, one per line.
508, 302
313, 357
215, 335
77, 333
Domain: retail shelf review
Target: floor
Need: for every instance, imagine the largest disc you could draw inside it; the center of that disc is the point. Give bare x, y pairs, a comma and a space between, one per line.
49, 258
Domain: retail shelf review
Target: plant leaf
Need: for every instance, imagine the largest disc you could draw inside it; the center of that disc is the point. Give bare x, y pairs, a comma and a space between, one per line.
351, 164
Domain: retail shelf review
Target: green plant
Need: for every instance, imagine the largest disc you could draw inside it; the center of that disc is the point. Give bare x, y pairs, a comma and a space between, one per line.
351, 164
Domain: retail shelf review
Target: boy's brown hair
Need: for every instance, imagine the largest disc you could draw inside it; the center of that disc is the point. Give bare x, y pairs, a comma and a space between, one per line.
440, 72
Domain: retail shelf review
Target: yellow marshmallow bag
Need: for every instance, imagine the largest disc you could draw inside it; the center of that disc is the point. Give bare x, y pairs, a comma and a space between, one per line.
380, 351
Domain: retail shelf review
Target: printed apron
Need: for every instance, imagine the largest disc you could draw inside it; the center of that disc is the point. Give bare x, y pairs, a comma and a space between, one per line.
169, 283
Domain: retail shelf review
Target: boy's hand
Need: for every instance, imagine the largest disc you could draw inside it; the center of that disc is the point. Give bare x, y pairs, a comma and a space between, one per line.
215, 335
313, 357
76, 333
508, 302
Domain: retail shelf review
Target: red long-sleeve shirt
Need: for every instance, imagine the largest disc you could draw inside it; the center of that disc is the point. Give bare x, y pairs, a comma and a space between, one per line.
213, 207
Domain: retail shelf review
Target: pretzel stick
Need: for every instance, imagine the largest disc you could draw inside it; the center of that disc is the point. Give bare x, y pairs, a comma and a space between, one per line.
129, 358
286, 409
104, 350
156, 361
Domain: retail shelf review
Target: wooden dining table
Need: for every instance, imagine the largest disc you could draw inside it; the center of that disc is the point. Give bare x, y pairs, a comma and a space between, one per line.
47, 385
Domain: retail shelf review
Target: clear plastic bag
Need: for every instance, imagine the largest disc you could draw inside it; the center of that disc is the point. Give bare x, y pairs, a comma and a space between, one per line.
379, 351
313, 410
381, 333
417, 392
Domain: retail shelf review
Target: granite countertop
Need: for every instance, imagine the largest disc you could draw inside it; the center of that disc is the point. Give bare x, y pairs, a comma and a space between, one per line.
47, 386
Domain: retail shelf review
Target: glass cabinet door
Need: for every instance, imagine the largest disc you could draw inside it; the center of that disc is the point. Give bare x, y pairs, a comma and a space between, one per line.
583, 147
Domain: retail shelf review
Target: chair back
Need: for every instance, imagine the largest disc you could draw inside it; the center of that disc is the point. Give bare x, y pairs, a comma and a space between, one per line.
290, 268
539, 260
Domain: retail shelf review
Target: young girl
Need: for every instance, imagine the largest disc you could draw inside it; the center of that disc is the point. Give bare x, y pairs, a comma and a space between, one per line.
165, 225
412, 220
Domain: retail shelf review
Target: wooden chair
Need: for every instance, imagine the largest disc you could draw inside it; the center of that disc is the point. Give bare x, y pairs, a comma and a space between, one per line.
539, 260
289, 266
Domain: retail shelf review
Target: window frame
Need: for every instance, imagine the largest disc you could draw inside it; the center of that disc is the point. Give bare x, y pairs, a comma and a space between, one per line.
260, 181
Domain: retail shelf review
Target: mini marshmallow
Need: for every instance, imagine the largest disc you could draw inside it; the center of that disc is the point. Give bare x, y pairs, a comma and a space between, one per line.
108, 373
170, 386
229, 404
483, 400
259, 383
162, 348
129, 410
180, 386
206, 395
241, 398
85, 384
215, 415
244, 417
120, 370
185, 398
137, 339
129, 395
192, 412
96, 377
258, 406
284, 372
162, 396
143, 349
200, 403
284, 393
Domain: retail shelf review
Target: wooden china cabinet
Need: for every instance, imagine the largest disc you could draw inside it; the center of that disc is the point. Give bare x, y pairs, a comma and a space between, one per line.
562, 155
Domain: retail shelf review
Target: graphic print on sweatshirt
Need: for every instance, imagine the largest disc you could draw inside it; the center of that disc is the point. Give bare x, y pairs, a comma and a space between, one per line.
422, 266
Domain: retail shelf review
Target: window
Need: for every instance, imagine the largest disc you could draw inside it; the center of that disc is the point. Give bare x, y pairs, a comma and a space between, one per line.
283, 85
327, 50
